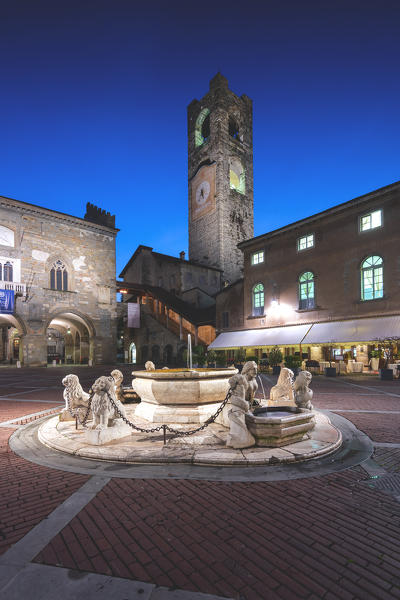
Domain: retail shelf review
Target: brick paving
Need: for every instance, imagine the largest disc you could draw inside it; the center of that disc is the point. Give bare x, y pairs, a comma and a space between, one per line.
282, 539
388, 458
327, 537
28, 492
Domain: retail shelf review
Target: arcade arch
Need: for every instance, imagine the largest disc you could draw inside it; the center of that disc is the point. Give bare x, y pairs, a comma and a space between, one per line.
70, 339
12, 330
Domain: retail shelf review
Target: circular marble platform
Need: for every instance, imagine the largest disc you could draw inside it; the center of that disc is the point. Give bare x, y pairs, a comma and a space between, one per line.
204, 448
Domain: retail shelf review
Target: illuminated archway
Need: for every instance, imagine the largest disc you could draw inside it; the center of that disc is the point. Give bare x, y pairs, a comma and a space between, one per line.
12, 330
70, 338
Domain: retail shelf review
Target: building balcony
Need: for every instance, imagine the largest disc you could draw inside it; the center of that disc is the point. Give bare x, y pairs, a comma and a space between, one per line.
19, 288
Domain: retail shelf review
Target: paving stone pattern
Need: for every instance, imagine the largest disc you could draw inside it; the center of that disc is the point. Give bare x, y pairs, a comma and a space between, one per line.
28, 492
325, 537
388, 458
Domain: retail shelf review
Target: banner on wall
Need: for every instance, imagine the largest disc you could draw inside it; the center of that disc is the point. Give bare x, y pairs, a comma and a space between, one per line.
134, 315
6, 302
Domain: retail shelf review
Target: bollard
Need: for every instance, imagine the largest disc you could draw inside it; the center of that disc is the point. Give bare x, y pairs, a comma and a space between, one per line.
165, 434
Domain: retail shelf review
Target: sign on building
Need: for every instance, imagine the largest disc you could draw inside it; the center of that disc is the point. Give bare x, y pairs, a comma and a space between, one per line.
6, 302
134, 315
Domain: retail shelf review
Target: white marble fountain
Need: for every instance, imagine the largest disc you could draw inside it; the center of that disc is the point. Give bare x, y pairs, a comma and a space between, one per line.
184, 415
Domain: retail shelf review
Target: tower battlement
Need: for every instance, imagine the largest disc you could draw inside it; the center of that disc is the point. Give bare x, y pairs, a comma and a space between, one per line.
94, 214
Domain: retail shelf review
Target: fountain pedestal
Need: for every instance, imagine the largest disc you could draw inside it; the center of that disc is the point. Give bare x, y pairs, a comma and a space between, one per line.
180, 395
279, 425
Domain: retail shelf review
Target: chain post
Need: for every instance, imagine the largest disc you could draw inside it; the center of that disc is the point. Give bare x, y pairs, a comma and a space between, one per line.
76, 421
165, 434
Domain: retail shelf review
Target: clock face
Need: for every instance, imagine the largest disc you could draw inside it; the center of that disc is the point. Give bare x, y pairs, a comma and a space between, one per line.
202, 193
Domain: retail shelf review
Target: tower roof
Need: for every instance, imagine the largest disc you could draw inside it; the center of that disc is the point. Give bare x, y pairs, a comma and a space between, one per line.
218, 81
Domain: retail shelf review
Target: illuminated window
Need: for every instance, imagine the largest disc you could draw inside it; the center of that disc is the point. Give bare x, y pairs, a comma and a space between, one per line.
237, 178
8, 271
258, 299
202, 128
59, 277
305, 242
306, 290
257, 257
371, 220
372, 278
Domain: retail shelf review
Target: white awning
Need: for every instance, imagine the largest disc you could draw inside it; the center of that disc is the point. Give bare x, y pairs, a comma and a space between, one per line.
357, 330
271, 336
334, 332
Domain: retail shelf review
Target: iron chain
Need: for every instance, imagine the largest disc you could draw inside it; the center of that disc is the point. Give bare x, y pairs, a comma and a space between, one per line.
175, 432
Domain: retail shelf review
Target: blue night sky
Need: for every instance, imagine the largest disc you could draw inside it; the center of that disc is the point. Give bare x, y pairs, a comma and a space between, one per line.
94, 94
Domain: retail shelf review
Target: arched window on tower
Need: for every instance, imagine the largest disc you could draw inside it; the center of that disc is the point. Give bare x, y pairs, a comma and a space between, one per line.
8, 271
237, 177
233, 128
59, 276
258, 299
202, 128
372, 278
306, 290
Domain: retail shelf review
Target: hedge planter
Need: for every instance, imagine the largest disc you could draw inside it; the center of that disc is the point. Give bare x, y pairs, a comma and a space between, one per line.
386, 374
330, 371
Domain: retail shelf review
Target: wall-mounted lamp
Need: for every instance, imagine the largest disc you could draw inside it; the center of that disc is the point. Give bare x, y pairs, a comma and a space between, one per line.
68, 330
123, 291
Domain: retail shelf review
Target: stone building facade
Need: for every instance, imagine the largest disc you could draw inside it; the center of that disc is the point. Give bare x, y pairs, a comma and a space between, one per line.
220, 161
63, 278
336, 273
169, 298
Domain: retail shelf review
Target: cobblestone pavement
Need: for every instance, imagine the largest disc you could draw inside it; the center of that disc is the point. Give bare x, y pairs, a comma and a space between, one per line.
332, 536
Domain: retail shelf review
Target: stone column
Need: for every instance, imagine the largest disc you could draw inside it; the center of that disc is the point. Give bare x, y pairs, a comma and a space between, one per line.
34, 350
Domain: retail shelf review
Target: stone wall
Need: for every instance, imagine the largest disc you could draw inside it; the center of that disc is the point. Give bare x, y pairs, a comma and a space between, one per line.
88, 306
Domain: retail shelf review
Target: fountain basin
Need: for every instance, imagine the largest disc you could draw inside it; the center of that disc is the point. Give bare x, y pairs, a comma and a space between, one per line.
180, 395
279, 425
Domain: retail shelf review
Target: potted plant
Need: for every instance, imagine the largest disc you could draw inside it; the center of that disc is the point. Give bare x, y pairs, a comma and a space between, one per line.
374, 360
330, 371
275, 358
199, 356
221, 358
211, 358
294, 363
240, 358
388, 351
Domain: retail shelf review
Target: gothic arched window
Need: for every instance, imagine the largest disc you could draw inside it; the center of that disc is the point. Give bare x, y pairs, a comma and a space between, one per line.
202, 129
306, 290
372, 278
258, 299
59, 277
8, 271
237, 179
233, 128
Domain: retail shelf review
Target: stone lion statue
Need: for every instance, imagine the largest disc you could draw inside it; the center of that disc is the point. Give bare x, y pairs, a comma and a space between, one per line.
249, 372
118, 378
149, 366
302, 393
282, 392
239, 436
104, 413
75, 398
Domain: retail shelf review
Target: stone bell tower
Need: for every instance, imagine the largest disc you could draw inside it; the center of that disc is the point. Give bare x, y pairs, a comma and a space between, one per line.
220, 152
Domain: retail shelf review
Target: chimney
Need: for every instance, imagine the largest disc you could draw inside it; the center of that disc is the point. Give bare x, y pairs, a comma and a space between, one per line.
182, 255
